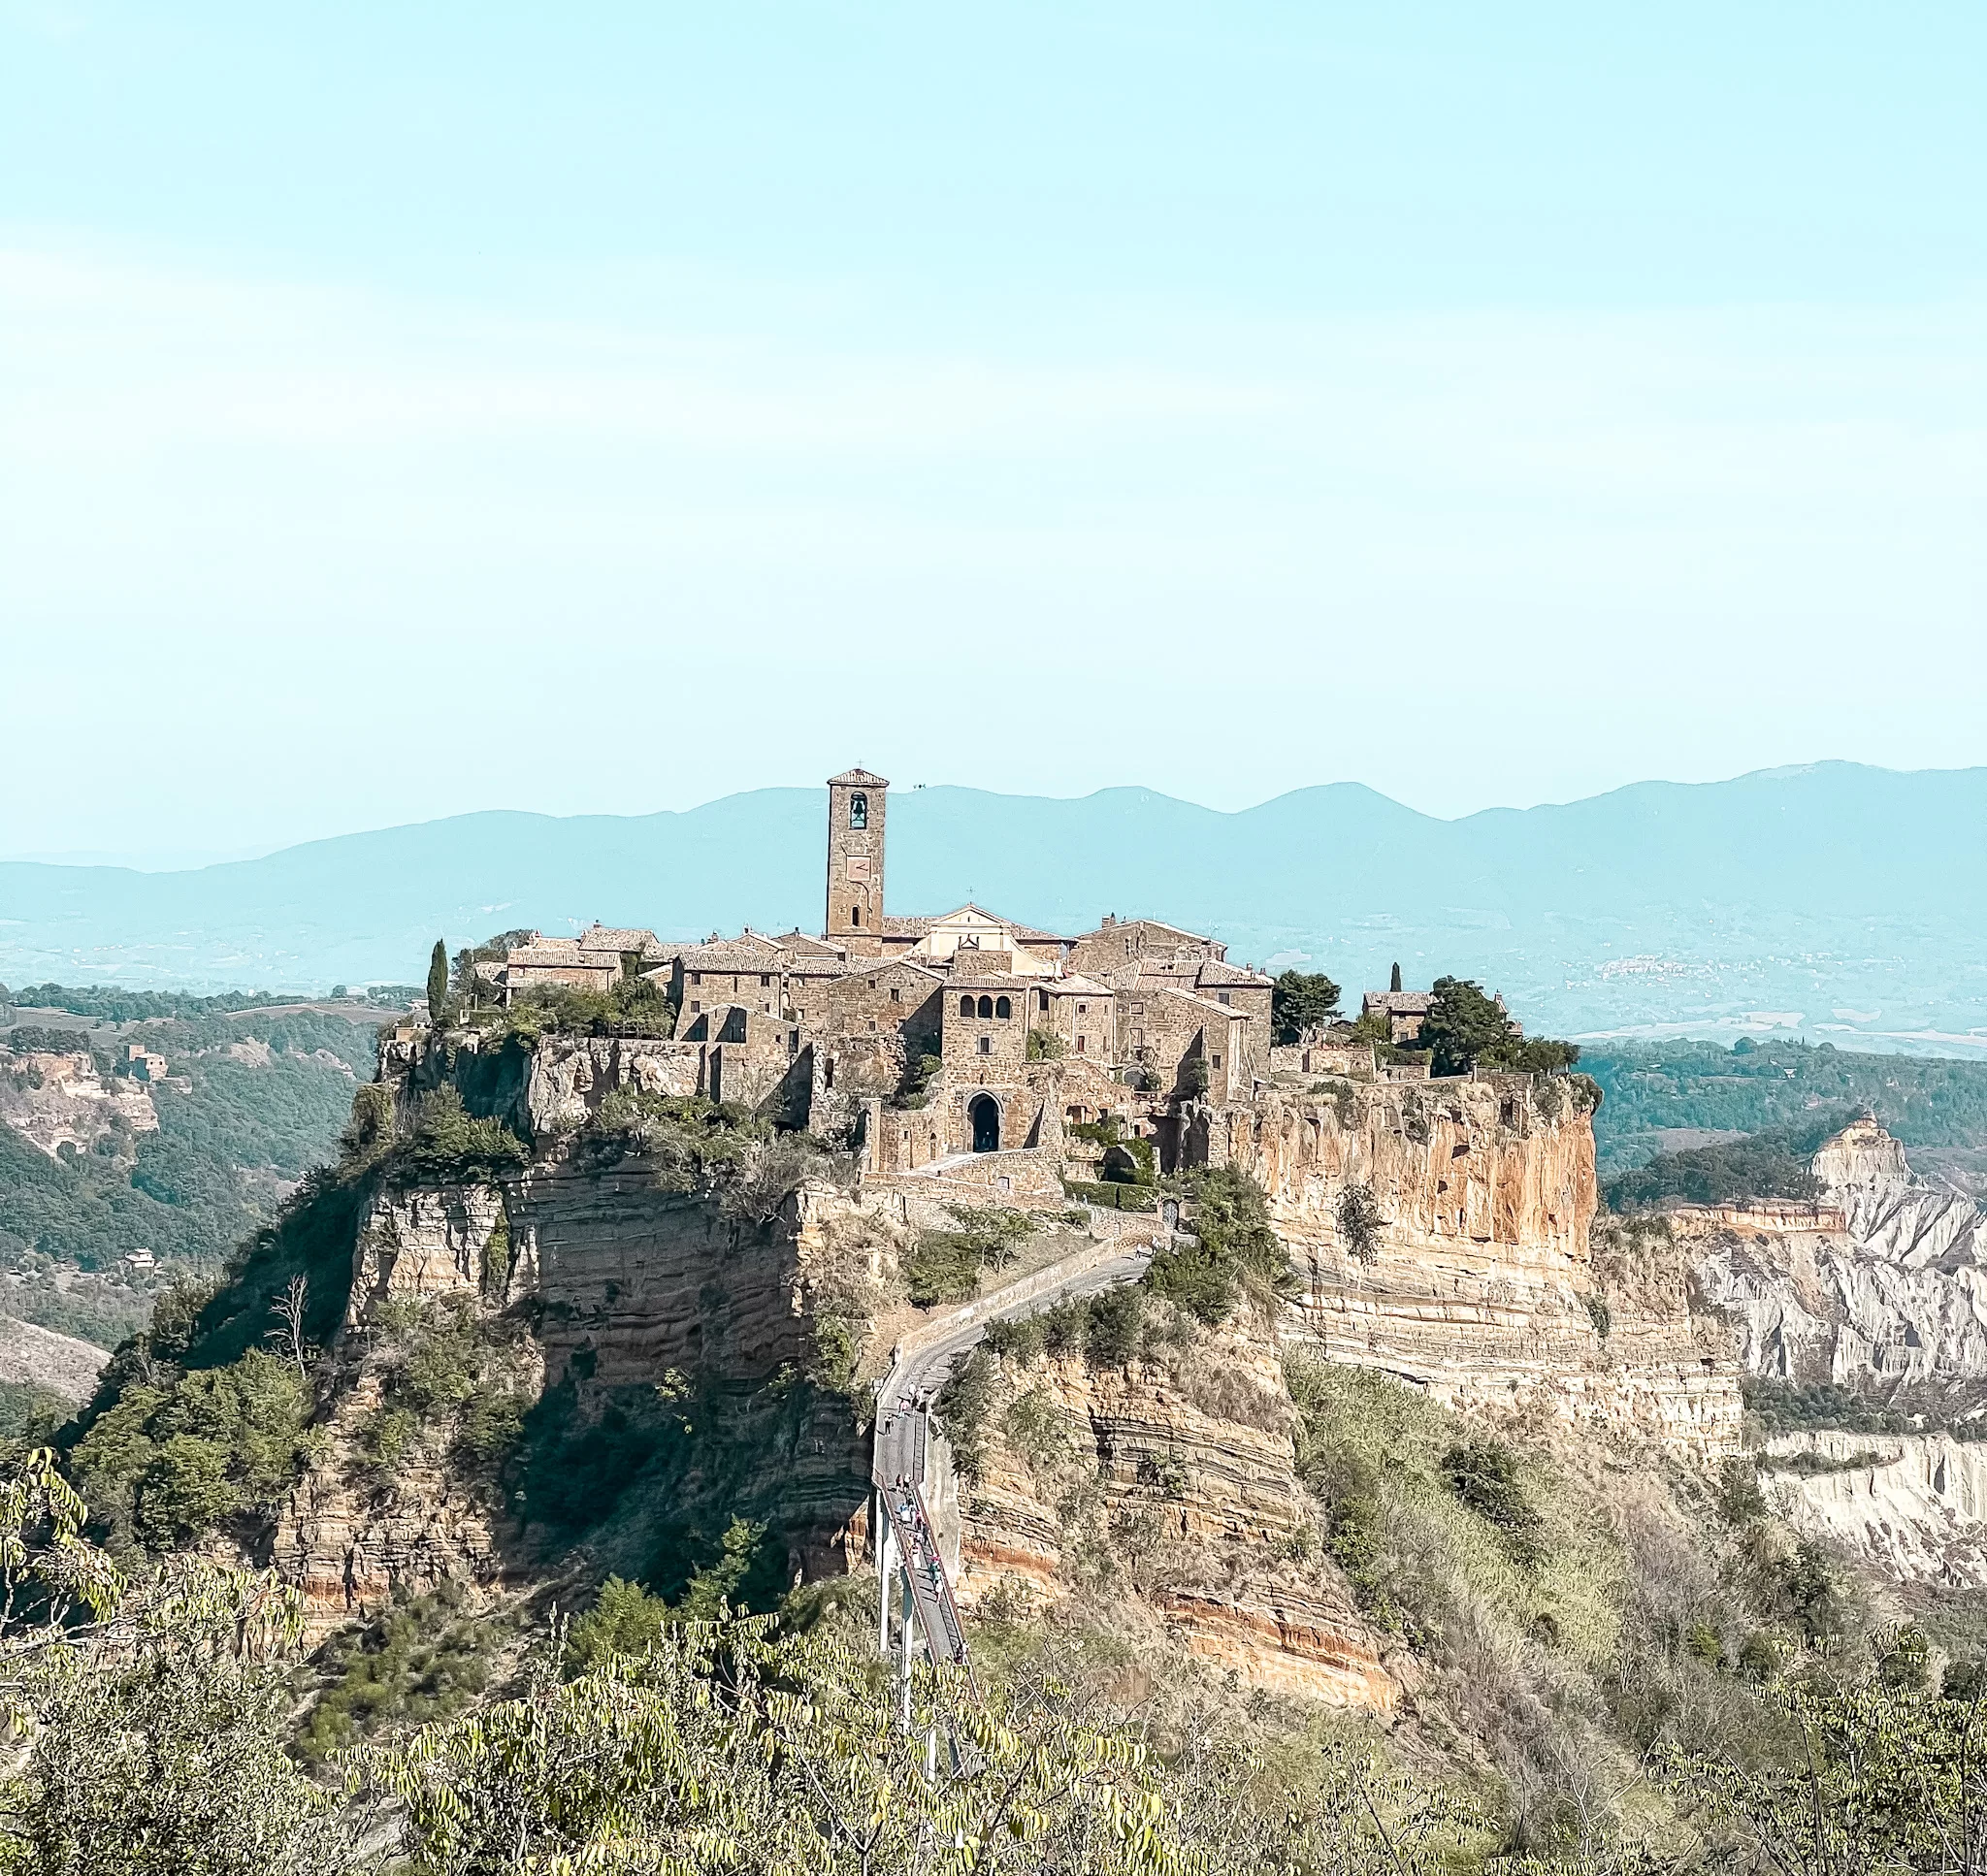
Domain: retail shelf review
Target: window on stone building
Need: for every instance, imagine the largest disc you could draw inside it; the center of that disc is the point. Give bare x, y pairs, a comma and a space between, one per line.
985, 1044
986, 1006
965, 1005
1218, 1061
1003, 1006
1041, 999
855, 914
859, 810
1138, 1009
1080, 1041
1222, 997
1138, 1038
1083, 1009
695, 1006
765, 982
697, 977
895, 994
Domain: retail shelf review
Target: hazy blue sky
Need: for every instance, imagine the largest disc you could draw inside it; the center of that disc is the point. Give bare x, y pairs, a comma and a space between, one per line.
407, 410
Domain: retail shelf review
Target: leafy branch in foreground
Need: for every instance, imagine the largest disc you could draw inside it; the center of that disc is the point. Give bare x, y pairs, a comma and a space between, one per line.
155, 1708
730, 1745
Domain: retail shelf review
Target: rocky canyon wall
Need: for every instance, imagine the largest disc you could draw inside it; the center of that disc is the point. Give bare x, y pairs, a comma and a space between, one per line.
1480, 1281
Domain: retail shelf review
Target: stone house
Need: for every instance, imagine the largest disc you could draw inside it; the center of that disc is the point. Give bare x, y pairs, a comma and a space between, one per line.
1117, 942
1403, 1011
557, 963
1078, 1013
745, 1054
751, 969
1220, 982
1161, 1028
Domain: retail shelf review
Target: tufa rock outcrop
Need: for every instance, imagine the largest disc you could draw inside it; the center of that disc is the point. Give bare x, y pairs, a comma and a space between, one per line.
1480, 1281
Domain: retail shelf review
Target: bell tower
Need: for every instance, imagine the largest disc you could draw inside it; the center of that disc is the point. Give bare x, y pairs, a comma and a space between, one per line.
855, 860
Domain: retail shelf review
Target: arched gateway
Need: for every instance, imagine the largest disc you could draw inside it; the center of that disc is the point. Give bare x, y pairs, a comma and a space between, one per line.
984, 1113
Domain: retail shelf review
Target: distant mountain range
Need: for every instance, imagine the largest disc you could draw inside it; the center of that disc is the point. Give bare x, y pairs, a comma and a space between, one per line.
1834, 901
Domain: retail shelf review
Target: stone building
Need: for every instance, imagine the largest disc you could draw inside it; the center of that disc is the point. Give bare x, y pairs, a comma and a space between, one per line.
1402, 1010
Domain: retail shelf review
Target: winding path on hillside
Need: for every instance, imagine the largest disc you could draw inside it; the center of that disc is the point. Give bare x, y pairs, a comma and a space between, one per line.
910, 1560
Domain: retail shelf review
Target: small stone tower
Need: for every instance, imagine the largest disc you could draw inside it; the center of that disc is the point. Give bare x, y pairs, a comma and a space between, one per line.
855, 860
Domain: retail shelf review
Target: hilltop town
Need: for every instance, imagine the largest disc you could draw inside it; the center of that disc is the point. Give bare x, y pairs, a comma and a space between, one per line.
964, 1047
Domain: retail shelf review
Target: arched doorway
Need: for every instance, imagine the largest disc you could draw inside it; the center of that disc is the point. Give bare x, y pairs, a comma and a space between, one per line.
984, 1113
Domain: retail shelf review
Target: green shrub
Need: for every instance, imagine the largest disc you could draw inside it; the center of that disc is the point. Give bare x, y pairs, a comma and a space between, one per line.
945, 1266
963, 1408
422, 1660
1234, 1250
1482, 1473
691, 1144
166, 1466
625, 1619
1112, 1197
448, 1143
1111, 1325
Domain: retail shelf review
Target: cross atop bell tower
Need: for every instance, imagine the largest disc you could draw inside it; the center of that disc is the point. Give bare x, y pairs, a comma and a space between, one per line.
855, 858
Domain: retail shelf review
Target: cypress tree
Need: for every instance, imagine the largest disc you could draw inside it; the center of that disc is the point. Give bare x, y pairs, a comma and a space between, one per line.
437, 980
1396, 984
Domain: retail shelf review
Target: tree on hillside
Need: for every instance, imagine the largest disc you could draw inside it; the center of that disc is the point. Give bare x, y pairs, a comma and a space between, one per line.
1302, 1001
437, 980
1463, 1026
1394, 983
1467, 1030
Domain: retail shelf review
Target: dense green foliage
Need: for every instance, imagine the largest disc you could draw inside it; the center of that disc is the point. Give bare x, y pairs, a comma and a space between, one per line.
449, 1143
110, 1004
1465, 1029
438, 981
1233, 1250
422, 1660
166, 1465
945, 1266
1753, 1087
1301, 1002
1773, 1165
635, 1006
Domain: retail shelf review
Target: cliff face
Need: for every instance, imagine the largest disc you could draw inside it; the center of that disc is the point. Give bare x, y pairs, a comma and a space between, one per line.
57, 1100
1480, 1283
604, 1310
1880, 1288
1913, 1505
1185, 1480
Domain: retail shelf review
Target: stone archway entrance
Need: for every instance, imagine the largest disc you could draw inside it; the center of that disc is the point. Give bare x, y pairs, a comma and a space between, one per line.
983, 1112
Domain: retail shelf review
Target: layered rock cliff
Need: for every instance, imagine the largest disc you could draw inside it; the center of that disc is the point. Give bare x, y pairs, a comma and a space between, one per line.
1912, 1504
607, 1312
1478, 1280
1180, 1475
